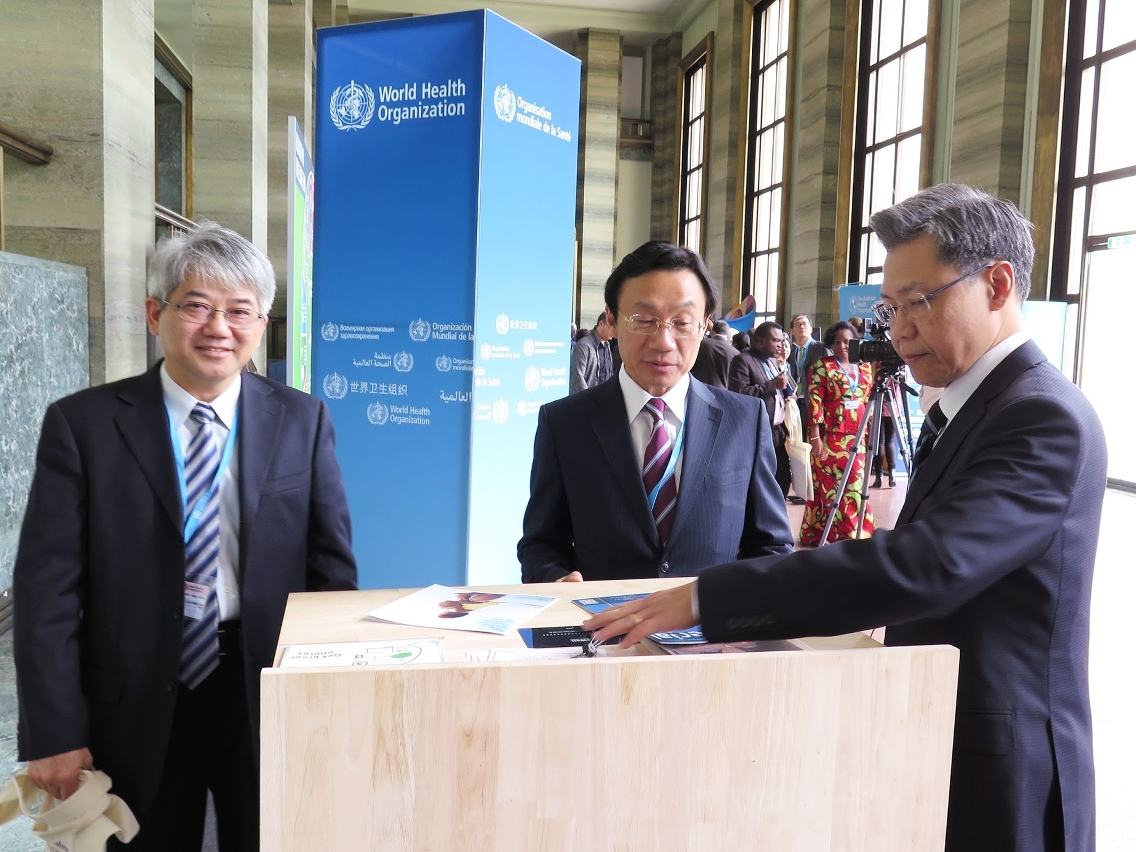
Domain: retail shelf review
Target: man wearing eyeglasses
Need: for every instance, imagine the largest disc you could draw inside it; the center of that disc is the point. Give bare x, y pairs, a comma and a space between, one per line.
652, 474
170, 516
993, 550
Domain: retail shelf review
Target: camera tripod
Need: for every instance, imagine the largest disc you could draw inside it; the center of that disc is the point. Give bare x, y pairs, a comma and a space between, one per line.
888, 383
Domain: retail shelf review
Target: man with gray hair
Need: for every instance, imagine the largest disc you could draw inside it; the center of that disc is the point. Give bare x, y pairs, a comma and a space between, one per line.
170, 516
993, 549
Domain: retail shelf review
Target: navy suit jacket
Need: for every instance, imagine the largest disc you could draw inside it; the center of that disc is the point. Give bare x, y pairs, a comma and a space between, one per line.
993, 552
100, 571
588, 508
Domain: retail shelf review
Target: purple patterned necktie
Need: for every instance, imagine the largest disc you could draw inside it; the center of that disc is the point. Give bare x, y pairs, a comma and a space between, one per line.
656, 459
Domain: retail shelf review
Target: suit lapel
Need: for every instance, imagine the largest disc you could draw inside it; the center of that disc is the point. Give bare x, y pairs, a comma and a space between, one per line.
609, 420
703, 418
145, 428
970, 415
260, 421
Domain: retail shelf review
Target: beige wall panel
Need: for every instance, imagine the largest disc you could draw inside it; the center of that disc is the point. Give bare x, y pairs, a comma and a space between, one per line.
601, 52
666, 107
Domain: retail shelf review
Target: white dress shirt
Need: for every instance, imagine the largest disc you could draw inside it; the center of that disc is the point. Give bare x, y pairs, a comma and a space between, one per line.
179, 404
955, 395
642, 423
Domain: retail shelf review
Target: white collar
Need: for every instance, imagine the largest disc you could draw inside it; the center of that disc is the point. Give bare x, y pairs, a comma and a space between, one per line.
634, 397
180, 402
956, 394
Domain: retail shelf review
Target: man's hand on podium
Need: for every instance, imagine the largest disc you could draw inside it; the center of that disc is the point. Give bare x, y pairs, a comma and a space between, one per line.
574, 577
659, 613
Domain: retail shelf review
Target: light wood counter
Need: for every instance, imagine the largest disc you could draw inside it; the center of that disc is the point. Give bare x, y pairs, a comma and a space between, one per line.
844, 747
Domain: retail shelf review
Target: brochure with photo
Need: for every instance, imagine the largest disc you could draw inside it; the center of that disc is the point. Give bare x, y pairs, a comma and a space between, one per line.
447, 608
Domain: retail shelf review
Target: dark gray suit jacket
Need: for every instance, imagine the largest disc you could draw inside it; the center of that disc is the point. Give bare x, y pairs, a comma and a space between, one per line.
993, 553
100, 571
588, 508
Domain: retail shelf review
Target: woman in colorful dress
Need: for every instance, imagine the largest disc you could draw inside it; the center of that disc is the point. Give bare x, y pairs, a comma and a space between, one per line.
838, 403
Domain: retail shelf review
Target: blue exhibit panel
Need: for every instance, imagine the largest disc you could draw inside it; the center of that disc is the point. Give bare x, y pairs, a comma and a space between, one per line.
397, 156
526, 235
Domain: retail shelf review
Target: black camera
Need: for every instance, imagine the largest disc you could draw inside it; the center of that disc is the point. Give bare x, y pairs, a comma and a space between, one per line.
873, 350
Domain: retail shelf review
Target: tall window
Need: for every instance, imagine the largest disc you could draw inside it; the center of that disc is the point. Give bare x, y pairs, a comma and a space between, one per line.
765, 170
890, 107
1095, 244
695, 133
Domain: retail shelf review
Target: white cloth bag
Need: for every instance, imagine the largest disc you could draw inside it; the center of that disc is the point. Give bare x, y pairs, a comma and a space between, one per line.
800, 453
80, 823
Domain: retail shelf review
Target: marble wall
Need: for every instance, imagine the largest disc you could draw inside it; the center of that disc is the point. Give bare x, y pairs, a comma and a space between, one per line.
666, 107
87, 88
601, 52
45, 353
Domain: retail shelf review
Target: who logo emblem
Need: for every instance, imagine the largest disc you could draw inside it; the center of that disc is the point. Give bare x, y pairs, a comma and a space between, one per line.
334, 386
404, 362
352, 106
329, 331
377, 414
419, 331
502, 323
443, 363
500, 411
505, 103
532, 379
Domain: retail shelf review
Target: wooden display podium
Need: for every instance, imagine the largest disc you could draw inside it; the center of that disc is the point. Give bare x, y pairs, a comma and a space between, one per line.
841, 744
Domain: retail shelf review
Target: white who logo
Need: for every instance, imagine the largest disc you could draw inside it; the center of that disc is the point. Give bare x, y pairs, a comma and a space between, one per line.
532, 379
419, 331
528, 347
377, 413
330, 331
502, 323
500, 411
352, 106
504, 103
486, 351
404, 362
444, 363
522, 408
334, 386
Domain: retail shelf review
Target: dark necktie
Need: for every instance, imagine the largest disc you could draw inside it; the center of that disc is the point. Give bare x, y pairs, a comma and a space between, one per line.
656, 460
933, 424
200, 647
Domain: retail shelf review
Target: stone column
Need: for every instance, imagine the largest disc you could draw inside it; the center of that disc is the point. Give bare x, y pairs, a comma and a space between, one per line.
290, 58
665, 117
601, 52
80, 75
230, 115
726, 167
815, 174
989, 126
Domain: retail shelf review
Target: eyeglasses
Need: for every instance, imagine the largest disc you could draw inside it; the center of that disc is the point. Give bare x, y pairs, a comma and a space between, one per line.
920, 307
199, 313
647, 325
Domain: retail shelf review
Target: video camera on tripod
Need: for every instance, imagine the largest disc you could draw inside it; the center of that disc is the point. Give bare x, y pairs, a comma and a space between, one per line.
879, 350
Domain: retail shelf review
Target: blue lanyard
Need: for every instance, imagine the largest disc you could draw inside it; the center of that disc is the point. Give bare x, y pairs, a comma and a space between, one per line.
854, 384
193, 518
654, 495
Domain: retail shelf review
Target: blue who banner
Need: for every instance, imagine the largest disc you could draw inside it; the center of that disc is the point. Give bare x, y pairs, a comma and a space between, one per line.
856, 300
446, 161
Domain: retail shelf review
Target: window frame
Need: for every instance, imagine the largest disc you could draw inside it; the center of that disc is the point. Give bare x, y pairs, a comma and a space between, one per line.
700, 57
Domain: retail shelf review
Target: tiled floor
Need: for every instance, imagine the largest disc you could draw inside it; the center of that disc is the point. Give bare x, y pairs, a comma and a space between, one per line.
1111, 685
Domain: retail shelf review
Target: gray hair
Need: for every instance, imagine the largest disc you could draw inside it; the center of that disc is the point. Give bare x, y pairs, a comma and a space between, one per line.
969, 227
224, 257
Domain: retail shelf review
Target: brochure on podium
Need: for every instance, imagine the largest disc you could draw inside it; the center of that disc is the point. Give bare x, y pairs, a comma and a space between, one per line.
446, 608
693, 636
381, 652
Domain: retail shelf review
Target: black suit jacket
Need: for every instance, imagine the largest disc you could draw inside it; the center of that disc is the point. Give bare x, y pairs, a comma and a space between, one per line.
993, 553
588, 508
101, 565
712, 366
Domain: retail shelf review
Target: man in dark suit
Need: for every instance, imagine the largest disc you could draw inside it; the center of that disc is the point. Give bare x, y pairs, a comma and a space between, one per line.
993, 550
804, 352
652, 474
757, 373
170, 516
715, 353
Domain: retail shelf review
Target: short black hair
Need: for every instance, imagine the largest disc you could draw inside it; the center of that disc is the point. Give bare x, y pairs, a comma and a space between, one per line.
763, 330
721, 327
659, 254
830, 335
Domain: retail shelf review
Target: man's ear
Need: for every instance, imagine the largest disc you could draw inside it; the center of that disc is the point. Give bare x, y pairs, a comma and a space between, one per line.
1002, 284
610, 317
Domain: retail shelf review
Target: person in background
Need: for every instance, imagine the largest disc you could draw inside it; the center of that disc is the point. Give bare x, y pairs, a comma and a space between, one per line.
804, 351
591, 357
838, 403
712, 366
887, 448
741, 341
758, 373
169, 518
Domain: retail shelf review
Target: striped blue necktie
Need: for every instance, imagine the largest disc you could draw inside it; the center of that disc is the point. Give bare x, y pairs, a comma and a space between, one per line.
199, 653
